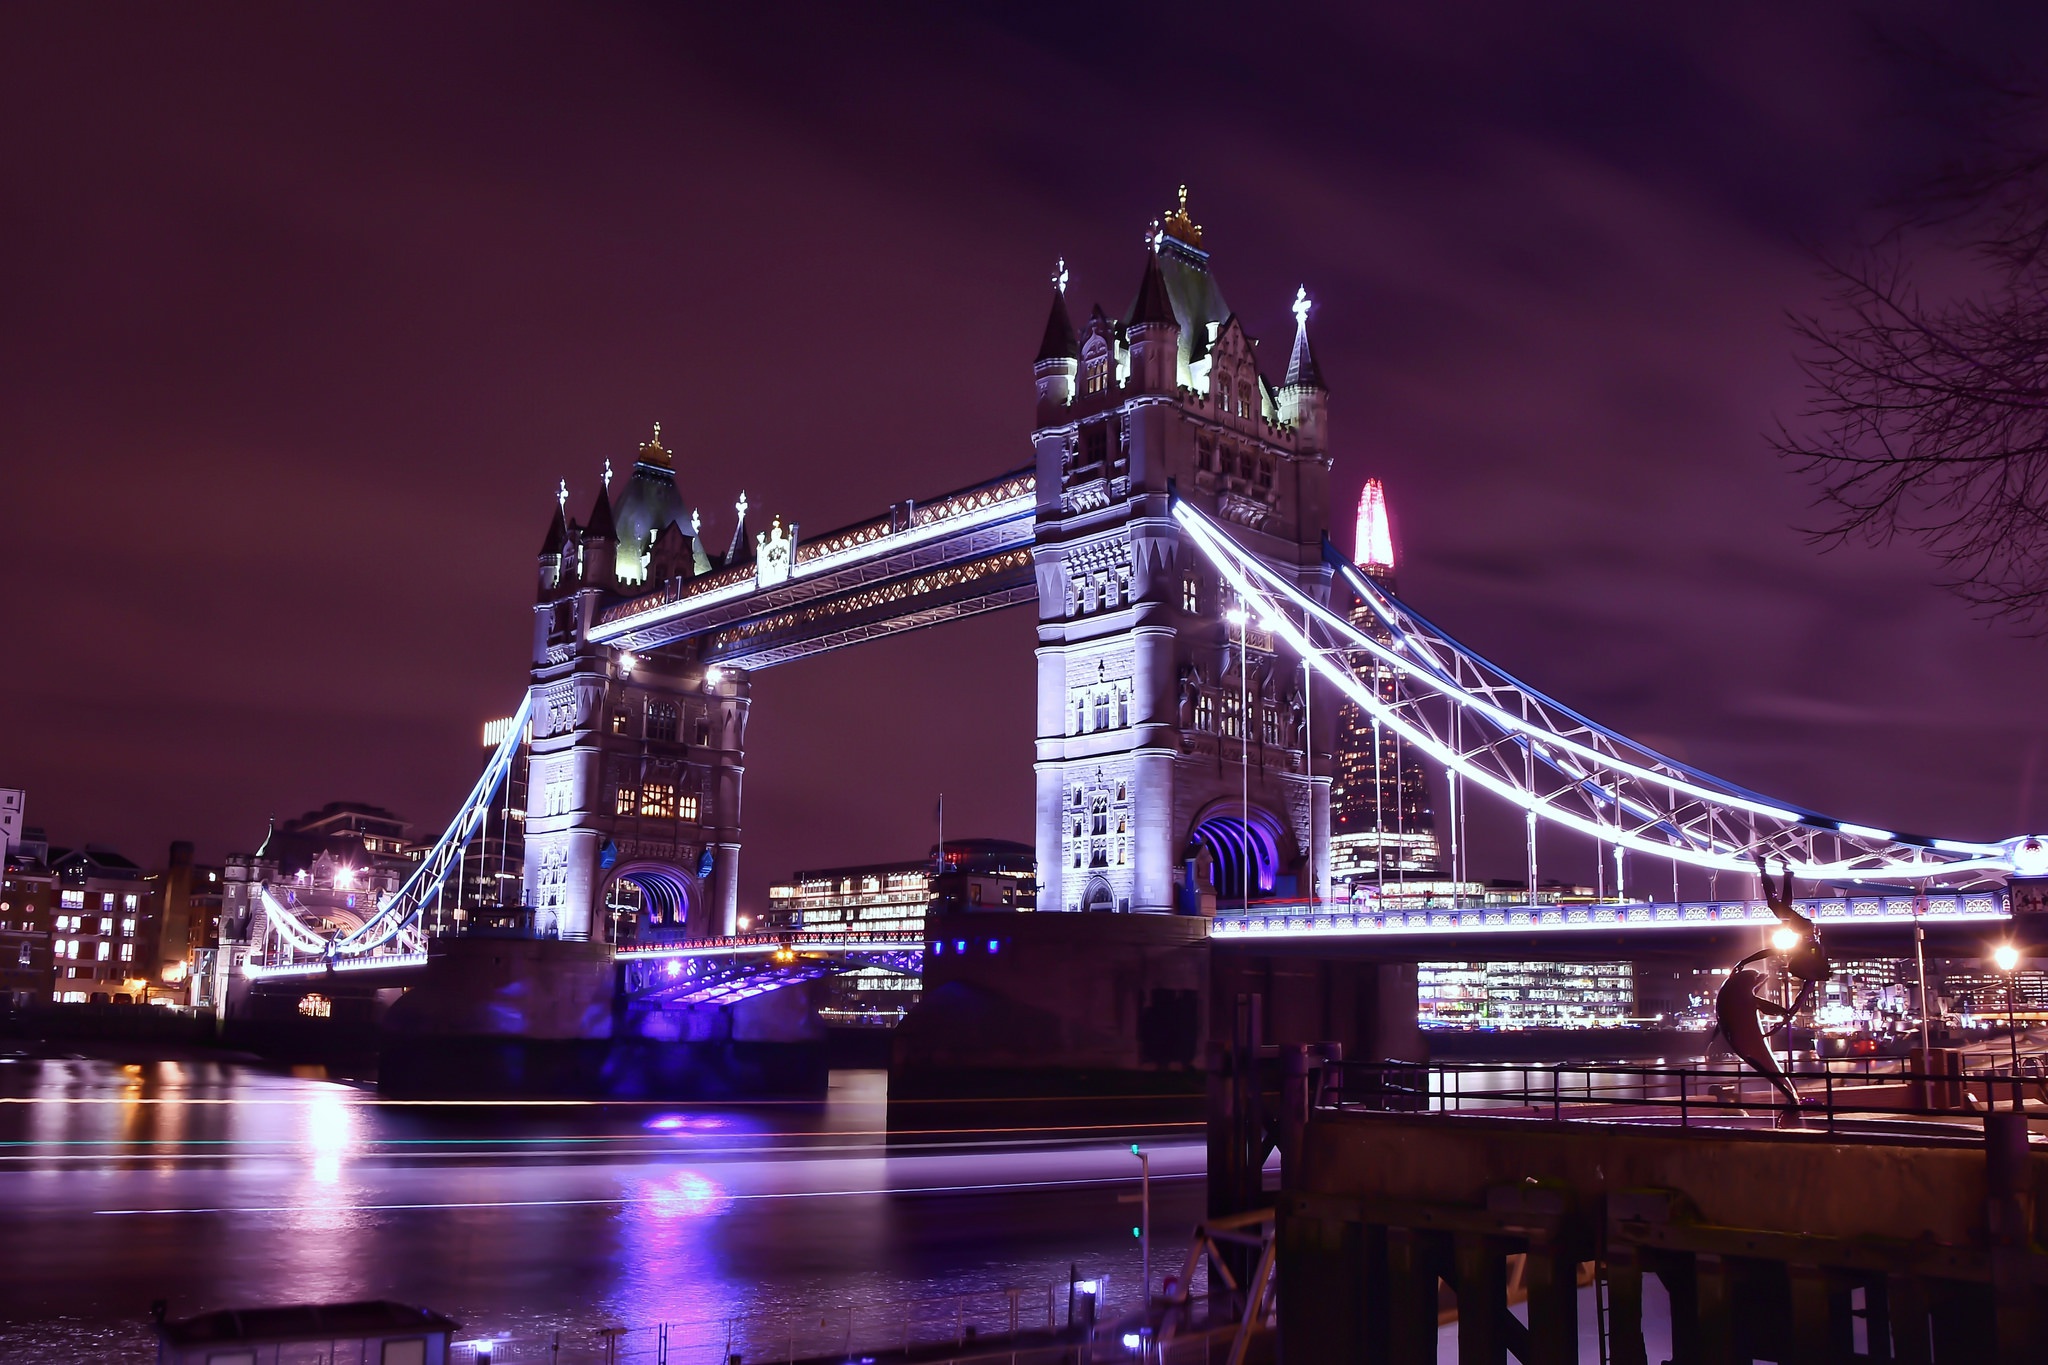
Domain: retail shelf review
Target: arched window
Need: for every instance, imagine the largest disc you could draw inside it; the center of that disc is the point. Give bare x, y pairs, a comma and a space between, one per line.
1080, 727
1102, 710
1123, 715
1244, 400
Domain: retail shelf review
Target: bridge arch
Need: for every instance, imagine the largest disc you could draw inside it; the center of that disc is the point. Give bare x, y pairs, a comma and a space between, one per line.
1235, 845
669, 894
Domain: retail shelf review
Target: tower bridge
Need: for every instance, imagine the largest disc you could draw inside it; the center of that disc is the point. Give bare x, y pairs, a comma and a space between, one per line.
1192, 652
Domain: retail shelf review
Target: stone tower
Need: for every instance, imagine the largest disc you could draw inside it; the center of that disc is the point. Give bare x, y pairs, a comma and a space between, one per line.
1146, 745
634, 769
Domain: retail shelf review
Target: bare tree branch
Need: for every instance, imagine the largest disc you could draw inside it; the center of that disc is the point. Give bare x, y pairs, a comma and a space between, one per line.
1928, 420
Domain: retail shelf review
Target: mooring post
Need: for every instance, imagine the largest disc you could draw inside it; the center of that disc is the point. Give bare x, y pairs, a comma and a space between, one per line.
1625, 1306
2008, 1217
1482, 1289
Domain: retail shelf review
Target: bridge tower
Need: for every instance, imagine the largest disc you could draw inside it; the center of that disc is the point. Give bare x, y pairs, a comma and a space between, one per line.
1175, 771
635, 762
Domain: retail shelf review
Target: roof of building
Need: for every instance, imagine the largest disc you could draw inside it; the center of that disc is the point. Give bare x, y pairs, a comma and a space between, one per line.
558, 533
647, 505
1060, 341
601, 526
1153, 304
305, 1322
1301, 365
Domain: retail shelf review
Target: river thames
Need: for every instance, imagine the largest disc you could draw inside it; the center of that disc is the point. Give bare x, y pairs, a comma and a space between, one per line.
209, 1183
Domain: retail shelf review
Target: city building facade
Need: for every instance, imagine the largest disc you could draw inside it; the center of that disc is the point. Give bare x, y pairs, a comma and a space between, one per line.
104, 937
28, 915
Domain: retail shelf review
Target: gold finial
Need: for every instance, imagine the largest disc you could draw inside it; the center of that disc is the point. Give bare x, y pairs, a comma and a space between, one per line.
651, 452
1180, 227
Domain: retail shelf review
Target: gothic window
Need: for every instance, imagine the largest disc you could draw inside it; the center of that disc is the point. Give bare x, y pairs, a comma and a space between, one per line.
1094, 449
1080, 728
703, 732
1244, 400
1102, 710
1123, 708
661, 721
1205, 712
1191, 594
627, 801
1112, 589
1233, 717
1269, 723
1077, 801
1095, 367
658, 798
1100, 812
618, 722
1120, 792
686, 806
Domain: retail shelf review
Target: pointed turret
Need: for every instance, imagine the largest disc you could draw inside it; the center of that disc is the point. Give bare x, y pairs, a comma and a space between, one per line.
600, 540
1059, 355
1304, 401
554, 545
1152, 330
742, 548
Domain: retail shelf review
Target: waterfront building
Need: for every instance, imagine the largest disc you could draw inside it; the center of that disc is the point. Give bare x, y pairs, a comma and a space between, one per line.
188, 897
104, 935
28, 914
1382, 825
897, 898
1511, 996
13, 805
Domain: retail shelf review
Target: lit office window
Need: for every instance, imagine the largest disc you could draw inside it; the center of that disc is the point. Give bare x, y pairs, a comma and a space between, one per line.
127, 928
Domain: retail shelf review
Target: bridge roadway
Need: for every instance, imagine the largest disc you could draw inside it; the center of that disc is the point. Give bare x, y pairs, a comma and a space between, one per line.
725, 970
918, 564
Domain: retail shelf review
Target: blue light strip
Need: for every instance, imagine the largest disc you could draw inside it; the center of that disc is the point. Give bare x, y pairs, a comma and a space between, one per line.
1304, 921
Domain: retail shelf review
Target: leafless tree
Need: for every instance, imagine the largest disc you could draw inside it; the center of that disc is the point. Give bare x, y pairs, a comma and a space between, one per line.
1929, 412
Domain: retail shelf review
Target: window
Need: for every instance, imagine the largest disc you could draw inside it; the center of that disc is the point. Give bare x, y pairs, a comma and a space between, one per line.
106, 900
106, 924
703, 732
1101, 815
410, 1352
127, 902
24, 955
1205, 711
1080, 725
127, 952
618, 722
106, 950
658, 798
1123, 708
75, 899
686, 806
661, 721
1102, 710
127, 928
627, 801
1191, 595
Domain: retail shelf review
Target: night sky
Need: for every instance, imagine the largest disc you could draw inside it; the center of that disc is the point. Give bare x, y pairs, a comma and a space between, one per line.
304, 310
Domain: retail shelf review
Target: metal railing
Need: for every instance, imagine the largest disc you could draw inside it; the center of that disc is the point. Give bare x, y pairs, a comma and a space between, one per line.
1681, 1096
937, 1328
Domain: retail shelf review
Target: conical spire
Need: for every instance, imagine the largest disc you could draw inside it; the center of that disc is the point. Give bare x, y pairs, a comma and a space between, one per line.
1301, 366
1153, 305
558, 534
1060, 342
601, 526
742, 545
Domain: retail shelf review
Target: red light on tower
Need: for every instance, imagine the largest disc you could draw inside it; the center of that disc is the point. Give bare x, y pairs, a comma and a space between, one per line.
1375, 549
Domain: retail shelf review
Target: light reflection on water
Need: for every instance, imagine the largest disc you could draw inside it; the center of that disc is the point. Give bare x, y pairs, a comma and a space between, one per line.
216, 1185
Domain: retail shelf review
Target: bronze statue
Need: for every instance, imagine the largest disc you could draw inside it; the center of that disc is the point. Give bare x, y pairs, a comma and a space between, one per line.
1739, 1010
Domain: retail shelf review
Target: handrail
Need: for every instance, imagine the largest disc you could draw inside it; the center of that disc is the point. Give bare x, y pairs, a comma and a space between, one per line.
1618, 1092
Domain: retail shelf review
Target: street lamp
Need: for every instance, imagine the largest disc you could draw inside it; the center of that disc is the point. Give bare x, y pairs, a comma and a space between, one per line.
1240, 618
2007, 959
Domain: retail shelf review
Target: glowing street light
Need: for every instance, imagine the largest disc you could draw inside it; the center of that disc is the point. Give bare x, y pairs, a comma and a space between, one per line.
2007, 959
1785, 939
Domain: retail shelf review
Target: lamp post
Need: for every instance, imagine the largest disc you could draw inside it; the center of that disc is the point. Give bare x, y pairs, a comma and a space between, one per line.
1240, 618
2007, 959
